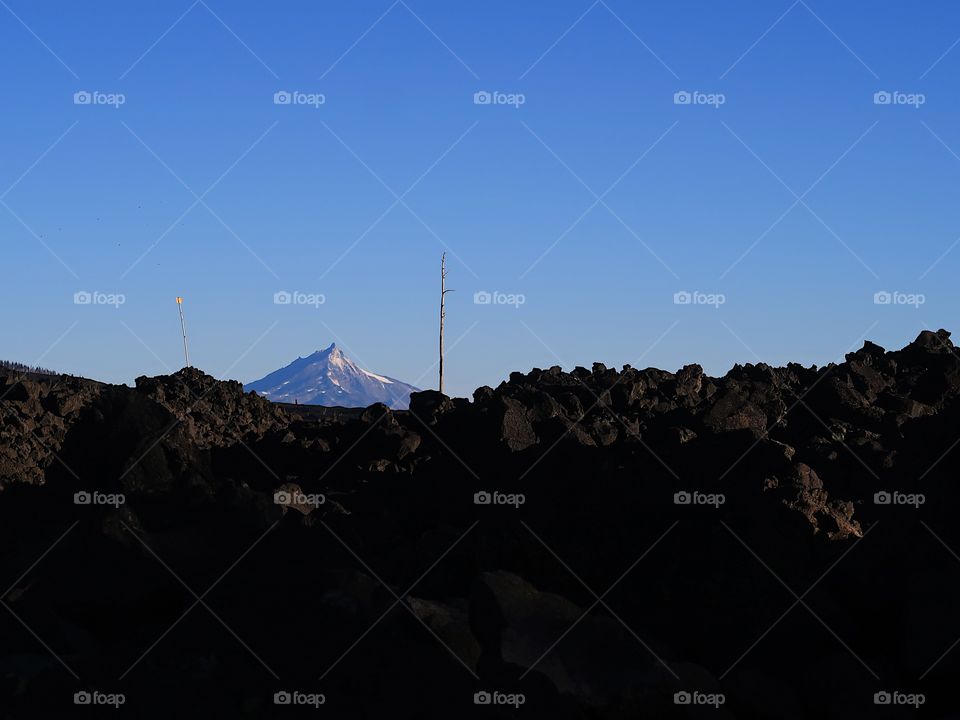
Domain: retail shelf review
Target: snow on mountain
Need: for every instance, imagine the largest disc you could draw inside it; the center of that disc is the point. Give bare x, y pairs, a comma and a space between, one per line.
328, 377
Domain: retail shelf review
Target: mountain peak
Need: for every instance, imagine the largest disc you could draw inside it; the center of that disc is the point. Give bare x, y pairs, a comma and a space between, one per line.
328, 377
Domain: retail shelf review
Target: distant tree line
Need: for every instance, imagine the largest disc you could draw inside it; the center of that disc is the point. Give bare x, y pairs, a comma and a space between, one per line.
20, 367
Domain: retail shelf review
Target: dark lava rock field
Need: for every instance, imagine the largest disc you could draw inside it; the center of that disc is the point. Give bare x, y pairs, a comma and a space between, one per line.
600, 543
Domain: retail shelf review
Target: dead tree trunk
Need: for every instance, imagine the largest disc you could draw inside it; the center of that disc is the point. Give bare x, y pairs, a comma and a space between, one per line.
443, 312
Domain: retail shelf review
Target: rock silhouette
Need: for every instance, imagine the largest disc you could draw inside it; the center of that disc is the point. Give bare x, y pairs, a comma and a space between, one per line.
775, 543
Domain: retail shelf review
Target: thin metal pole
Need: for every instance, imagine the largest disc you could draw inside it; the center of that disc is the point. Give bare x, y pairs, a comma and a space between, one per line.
183, 329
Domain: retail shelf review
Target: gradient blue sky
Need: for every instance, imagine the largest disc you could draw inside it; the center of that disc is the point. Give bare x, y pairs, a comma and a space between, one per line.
298, 191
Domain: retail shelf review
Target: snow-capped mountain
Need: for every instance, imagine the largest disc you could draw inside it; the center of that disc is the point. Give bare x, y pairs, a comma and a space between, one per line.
328, 377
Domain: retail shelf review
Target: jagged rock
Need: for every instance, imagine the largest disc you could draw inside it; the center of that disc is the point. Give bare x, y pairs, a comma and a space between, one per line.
931, 341
452, 625
36, 412
215, 412
689, 380
734, 409
291, 496
430, 405
514, 622
483, 394
516, 430
802, 490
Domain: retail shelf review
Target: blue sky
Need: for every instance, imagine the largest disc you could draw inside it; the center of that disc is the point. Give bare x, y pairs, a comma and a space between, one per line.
199, 185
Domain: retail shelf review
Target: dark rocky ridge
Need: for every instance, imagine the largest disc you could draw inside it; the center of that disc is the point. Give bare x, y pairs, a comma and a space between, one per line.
797, 453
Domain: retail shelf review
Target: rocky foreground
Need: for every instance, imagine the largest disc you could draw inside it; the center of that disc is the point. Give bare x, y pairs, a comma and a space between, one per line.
775, 543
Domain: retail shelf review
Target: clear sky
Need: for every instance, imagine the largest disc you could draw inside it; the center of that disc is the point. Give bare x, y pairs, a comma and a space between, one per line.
584, 189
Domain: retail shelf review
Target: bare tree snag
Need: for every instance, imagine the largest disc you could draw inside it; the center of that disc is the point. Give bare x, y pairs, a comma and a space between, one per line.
443, 312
